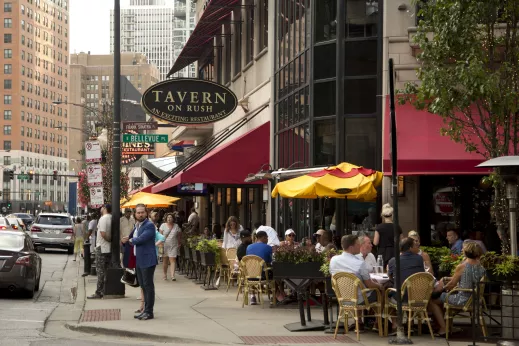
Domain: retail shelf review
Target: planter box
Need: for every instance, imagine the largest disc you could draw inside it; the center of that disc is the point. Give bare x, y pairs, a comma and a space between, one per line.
309, 270
187, 252
208, 258
194, 256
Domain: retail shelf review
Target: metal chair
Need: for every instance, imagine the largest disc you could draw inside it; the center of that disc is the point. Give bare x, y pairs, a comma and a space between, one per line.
252, 269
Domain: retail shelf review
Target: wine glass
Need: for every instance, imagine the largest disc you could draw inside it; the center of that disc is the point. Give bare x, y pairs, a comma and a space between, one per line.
426, 267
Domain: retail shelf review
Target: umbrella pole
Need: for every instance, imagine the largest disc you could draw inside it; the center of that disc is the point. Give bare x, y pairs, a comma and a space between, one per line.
322, 212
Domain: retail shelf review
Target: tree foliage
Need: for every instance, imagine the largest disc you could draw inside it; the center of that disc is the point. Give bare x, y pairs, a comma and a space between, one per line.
469, 76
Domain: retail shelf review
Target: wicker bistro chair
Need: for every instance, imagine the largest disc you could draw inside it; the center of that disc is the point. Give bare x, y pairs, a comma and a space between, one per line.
346, 287
466, 310
223, 267
251, 269
233, 274
419, 288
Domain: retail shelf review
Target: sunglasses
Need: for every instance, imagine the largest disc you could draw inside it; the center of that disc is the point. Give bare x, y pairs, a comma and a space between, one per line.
291, 235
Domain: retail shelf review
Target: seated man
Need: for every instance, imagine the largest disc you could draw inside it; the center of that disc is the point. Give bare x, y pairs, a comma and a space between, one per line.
262, 250
365, 252
455, 242
410, 261
349, 262
246, 240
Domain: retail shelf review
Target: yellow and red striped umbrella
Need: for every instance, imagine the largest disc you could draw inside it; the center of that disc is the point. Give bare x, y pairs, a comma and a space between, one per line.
342, 181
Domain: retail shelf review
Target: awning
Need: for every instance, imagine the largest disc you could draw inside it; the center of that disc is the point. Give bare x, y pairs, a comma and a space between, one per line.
201, 40
422, 150
157, 168
181, 145
146, 188
229, 163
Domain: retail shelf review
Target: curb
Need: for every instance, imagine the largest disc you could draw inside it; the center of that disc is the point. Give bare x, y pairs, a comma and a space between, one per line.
136, 335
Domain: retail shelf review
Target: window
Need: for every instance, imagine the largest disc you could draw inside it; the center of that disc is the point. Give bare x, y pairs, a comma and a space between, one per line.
8, 84
8, 115
8, 38
237, 36
8, 23
7, 129
264, 24
8, 7
7, 145
8, 68
7, 160
8, 53
324, 142
249, 51
8, 99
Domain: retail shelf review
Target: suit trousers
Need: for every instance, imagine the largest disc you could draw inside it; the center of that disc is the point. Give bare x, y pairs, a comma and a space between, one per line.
146, 281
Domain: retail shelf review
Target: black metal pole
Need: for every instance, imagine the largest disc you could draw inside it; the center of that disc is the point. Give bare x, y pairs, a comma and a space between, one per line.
341, 218
400, 337
116, 145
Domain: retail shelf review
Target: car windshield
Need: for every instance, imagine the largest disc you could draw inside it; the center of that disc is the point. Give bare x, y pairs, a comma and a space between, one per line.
23, 216
11, 242
53, 220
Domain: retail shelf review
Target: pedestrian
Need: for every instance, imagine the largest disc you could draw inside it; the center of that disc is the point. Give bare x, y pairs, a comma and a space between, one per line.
78, 237
171, 231
143, 240
103, 249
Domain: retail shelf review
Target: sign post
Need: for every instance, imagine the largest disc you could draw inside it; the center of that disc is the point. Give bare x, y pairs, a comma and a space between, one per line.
139, 138
140, 126
96, 197
93, 152
95, 175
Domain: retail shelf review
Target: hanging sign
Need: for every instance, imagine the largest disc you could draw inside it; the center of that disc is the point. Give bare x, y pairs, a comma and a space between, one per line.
95, 175
93, 152
96, 197
189, 101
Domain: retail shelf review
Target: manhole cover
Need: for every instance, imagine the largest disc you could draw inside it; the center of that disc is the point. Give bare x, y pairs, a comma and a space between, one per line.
101, 315
306, 339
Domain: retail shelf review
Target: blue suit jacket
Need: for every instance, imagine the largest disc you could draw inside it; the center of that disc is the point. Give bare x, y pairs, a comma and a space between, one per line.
146, 253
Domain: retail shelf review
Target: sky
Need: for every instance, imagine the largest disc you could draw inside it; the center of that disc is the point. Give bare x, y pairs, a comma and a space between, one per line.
90, 26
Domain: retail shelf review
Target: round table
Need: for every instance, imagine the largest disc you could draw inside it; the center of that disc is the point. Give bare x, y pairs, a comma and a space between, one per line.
379, 278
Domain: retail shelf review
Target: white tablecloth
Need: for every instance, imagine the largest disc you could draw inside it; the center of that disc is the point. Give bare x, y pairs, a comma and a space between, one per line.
381, 279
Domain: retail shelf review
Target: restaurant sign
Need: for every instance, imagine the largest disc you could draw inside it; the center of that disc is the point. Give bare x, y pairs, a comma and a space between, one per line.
189, 101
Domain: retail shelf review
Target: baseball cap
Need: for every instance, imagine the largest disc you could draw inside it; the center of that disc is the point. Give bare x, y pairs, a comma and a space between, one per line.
289, 231
319, 232
245, 233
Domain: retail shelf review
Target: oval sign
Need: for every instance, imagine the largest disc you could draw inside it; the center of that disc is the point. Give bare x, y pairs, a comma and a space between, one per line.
189, 101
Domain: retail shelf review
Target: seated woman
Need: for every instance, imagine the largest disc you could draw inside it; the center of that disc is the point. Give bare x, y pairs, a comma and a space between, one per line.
426, 259
466, 275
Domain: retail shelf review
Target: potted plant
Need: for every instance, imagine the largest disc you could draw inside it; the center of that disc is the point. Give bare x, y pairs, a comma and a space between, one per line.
436, 254
449, 263
300, 262
209, 252
501, 267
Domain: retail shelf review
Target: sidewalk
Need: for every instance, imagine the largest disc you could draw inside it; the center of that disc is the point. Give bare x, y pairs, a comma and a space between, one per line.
186, 314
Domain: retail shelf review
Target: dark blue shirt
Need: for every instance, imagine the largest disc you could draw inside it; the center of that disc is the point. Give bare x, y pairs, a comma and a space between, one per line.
410, 264
457, 247
261, 250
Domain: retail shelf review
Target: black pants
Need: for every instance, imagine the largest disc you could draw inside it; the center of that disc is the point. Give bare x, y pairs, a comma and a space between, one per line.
102, 262
145, 278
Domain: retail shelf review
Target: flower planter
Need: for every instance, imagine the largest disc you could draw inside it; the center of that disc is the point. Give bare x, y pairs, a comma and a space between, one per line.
208, 258
309, 270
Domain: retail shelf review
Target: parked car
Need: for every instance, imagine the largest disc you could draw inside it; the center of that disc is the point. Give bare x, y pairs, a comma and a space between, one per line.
20, 265
5, 225
27, 218
54, 231
16, 223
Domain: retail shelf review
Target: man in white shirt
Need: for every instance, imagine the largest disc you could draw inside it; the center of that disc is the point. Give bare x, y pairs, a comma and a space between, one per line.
103, 249
273, 239
194, 220
365, 252
92, 229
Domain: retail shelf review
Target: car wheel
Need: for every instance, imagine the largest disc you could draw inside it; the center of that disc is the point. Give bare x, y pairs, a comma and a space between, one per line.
70, 251
37, 286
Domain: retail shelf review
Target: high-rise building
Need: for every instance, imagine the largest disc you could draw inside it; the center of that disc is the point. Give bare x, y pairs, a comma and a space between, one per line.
91, 89
35, 135
158, 29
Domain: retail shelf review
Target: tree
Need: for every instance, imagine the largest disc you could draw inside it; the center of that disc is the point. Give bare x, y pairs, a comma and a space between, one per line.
469, 76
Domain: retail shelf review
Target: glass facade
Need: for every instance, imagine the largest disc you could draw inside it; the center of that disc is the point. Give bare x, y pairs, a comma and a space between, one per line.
320, 119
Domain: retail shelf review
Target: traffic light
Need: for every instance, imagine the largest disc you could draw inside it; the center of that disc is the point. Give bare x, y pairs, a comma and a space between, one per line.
55, 175
8, 205
11, 175
31, 175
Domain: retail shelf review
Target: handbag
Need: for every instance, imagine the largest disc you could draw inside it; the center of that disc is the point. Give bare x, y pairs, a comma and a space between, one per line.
129, 278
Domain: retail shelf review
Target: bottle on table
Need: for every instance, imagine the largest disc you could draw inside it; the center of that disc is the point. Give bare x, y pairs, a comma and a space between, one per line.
379, 268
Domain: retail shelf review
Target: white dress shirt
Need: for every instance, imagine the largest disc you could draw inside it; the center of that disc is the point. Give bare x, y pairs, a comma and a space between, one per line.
369, 260
348, 263
272, 234
231, 241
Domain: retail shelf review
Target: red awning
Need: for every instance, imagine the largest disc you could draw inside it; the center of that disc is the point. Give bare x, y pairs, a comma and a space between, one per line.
230, 163
422, 149
146, 188
206, 29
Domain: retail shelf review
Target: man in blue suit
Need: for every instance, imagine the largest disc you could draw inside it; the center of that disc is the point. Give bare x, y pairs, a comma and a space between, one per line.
143, 239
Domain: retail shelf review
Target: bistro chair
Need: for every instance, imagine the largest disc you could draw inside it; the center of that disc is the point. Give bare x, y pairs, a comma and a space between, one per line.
233, 273
418, 288
251, 269
347, 287
466, 310
223, 267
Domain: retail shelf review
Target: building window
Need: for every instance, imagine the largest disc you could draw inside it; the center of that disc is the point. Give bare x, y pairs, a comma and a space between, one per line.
249, 51
8, 53
8, 23
8, 99
8, 115
7, 129
8, 7
237, 37
7, 160
8, 38
7, 145
264, 24
8, 84
8, 68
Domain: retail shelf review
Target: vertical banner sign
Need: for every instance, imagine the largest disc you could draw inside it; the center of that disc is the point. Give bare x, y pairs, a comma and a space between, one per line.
72, 201
95, 175
96, 197
93, 152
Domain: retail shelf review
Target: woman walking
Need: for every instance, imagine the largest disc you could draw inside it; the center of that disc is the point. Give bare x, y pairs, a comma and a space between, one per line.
78, 237
171, 231
384, 234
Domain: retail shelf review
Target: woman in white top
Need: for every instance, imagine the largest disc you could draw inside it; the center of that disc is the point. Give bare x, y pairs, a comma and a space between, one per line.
171, 231
231, 234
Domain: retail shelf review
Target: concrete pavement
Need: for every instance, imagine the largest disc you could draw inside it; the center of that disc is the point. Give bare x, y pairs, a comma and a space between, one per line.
186, 314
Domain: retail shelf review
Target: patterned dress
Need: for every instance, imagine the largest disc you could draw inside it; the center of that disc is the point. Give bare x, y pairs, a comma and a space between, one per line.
471, 275
171, 243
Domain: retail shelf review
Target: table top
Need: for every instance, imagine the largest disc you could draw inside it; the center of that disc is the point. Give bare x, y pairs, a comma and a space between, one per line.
379, 278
